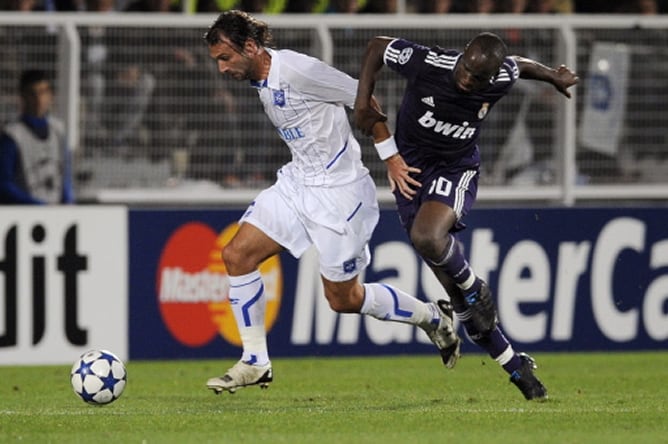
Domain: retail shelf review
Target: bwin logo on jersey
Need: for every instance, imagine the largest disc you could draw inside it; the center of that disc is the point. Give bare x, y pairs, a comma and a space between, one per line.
453, 130
279, 97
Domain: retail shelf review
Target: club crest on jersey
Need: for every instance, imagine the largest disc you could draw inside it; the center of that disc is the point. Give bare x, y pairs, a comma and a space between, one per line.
279, 97
349, 266
405, 55
483, 110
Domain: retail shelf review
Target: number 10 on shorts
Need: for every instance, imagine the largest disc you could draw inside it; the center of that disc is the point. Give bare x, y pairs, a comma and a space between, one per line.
441, 186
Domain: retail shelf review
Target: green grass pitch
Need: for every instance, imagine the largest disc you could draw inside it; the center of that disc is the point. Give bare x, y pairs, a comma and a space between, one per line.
594, 398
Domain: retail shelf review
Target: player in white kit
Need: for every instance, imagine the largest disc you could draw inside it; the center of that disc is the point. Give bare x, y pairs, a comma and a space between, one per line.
324, 197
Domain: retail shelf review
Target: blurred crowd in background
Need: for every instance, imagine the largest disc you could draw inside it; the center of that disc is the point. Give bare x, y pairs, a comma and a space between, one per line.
347, 6
161, 109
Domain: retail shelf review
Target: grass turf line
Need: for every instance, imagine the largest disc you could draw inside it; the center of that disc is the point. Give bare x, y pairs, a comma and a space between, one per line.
594, 398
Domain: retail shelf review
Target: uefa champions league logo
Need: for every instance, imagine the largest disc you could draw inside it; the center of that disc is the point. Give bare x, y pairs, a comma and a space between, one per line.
405, 55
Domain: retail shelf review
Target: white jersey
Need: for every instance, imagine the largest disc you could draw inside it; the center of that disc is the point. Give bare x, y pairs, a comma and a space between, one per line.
305, 99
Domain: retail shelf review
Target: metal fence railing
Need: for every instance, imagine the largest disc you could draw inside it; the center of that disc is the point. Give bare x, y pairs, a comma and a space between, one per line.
150, 120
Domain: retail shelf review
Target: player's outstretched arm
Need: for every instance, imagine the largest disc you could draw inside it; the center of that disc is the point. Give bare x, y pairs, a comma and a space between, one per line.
365, 113
562, 78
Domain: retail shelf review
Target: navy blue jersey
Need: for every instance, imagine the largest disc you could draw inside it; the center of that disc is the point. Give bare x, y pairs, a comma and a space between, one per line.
437, 122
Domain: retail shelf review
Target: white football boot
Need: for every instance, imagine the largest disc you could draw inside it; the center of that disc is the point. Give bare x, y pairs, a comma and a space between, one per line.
444, 336
240, 375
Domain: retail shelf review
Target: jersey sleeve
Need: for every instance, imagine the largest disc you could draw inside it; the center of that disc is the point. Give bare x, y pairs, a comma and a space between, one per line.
508, 74
405, 57
510, 65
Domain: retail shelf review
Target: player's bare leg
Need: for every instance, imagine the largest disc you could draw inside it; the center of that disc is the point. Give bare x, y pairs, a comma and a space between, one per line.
242, 256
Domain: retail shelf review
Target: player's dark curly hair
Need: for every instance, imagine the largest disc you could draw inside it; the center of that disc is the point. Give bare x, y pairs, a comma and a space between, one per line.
238, 26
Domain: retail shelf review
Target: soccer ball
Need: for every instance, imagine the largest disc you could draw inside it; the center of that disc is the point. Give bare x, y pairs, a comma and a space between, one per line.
98, 377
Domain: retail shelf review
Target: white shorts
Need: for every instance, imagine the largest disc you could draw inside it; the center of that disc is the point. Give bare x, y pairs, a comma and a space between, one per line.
339, 221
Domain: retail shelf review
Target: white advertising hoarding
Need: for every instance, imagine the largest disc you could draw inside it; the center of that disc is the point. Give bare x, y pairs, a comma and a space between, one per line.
63, 283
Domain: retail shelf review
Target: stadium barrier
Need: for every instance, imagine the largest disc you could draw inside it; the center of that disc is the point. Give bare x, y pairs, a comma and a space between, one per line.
179, 134
150, 284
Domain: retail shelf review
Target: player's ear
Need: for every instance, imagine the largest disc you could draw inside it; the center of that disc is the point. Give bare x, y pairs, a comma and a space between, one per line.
251, 47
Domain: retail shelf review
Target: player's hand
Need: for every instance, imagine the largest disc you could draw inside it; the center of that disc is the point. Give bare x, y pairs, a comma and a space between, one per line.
398, 173
366, 115
564, 79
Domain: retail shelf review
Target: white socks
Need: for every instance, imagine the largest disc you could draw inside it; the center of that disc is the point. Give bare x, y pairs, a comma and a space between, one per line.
249, 306
388, 303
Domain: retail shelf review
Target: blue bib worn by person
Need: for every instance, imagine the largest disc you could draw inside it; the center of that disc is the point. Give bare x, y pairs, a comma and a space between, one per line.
34, 157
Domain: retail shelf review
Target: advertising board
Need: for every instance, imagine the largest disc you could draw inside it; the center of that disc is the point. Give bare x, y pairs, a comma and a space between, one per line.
563, 279
63, 283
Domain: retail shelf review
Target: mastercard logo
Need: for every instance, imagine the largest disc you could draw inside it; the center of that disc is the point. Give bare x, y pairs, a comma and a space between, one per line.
192, 286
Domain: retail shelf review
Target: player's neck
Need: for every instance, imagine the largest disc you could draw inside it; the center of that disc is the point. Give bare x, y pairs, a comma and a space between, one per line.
263, 66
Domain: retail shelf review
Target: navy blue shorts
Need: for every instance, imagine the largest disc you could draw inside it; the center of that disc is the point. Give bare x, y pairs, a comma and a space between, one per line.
456, 187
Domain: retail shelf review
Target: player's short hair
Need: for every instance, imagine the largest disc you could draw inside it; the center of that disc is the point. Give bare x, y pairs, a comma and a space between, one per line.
238, 26
489, 43
30, 77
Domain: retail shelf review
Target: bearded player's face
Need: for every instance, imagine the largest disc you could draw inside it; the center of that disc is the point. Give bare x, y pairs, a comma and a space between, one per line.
231, 61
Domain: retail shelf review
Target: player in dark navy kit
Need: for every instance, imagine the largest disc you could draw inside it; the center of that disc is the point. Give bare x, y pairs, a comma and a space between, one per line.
447, 97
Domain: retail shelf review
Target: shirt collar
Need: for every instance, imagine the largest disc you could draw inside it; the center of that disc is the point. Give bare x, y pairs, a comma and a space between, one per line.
33, 121
259, 85
38, 125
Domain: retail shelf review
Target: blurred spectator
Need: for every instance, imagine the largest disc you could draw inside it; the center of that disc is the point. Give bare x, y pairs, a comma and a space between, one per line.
263, 6
197, 6
126, 100
118, 88
343, 6
34, 157
300, 6
380, 7
512, 6
623, 6
564, 6
542, 7
644, 7
594, 6
473, 6
153, 6
434, 6
252, 5
69, 5
102, 6
19, 5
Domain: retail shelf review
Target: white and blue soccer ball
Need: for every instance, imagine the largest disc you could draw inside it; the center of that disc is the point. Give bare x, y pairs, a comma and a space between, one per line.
98, 377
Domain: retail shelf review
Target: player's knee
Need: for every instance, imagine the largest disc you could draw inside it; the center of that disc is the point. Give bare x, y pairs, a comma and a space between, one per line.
427, 245
230, 256
342, 303
341, 306
236, 261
